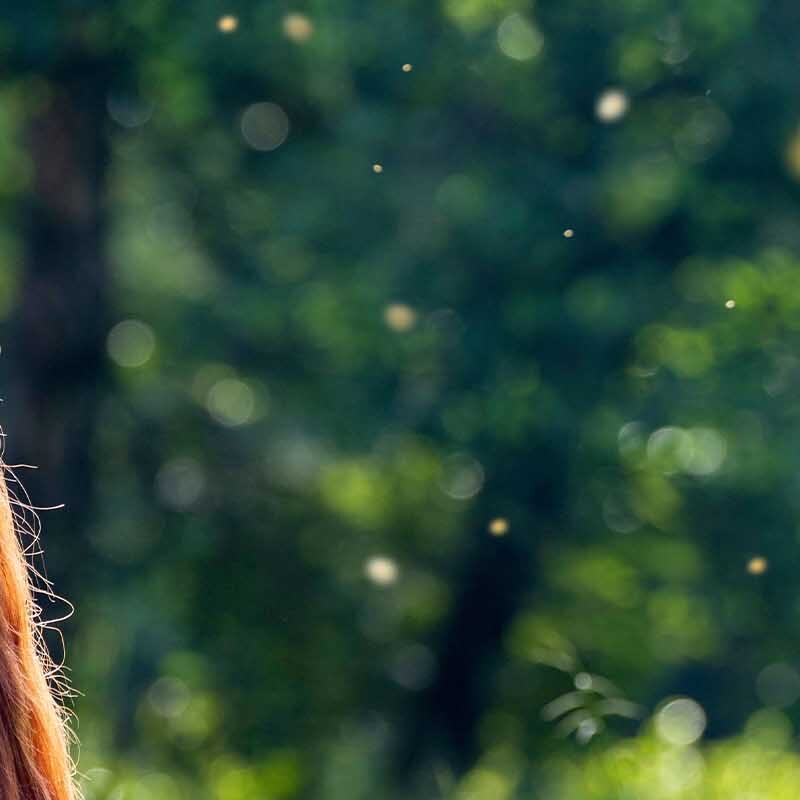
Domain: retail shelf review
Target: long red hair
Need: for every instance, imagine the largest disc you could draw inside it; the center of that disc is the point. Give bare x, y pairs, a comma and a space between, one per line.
34, 748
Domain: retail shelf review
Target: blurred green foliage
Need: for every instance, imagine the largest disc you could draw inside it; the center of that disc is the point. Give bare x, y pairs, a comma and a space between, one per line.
443, 442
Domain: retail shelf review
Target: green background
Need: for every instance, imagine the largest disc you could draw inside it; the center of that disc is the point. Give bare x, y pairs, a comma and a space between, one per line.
473, 475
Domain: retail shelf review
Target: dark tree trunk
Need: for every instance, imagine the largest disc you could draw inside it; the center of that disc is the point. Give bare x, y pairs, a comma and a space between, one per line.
58, 333
445, 718
497, 576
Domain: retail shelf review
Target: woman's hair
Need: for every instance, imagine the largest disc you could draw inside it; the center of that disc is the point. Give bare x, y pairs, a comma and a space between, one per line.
34, 749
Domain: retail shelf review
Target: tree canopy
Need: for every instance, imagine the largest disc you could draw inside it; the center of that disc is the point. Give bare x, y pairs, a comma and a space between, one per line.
420, 379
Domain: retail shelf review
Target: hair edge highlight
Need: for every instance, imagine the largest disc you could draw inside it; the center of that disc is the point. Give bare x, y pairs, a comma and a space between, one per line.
35, 761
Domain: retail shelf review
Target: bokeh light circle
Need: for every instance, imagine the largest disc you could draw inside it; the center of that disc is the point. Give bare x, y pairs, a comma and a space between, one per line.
265, 126
131, 343
681, 722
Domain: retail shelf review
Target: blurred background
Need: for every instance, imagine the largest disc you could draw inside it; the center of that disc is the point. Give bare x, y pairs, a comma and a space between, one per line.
420, 379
